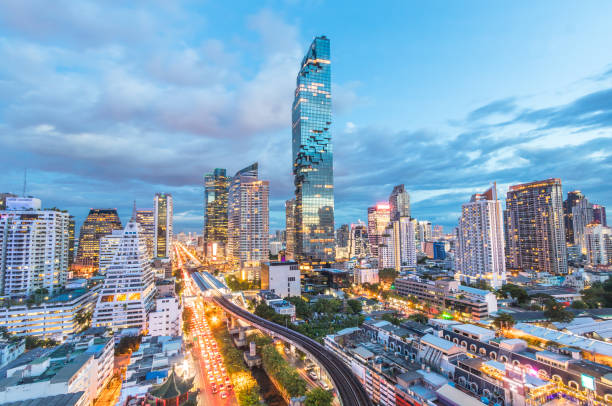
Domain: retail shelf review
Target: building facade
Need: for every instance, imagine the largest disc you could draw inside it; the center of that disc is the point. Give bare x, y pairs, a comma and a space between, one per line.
166, 319
573, 198
248, 221
281, 278
535, 231
290, 229
313, 156
127, 295
34, 247
598, 244
99, 222
359, 245
480, 249
108, 248
163, 213
399, 203
378, 220
582, 215
146, 219
216, 185
397, 248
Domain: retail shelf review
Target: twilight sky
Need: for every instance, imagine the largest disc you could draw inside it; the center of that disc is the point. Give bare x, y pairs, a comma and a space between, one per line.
106, 103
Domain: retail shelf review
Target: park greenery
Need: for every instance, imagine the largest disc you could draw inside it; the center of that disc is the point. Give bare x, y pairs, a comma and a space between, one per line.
318, 397
387, 275
598, 295
236, 284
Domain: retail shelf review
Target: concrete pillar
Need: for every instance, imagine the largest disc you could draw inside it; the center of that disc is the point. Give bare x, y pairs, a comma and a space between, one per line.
252, 349
241, 335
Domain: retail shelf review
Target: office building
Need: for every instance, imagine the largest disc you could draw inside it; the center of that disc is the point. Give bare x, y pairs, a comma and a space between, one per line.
33, 248
146, 219
216, 185
480, 249
290, 229
99, 222
598, 244
281, 278
599, 215
127, 295
573, 198
582, 215
399, 203
248, 221
378, 219
71, 245
358, 241
535, 231
439, 250
397, 247
313, 156
162, 212
108, 248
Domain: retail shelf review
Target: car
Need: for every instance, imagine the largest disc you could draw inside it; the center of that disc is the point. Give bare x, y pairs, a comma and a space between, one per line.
221, 387
312, 374
223, 395
325, 385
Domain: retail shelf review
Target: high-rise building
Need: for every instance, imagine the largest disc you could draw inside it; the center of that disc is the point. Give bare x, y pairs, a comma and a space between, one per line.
313, 156
99, 222
399, 203
535, 231
108, 248
342, 235
216, 186
248, 221
162, 212
358, 241
582, 215
598, 242
71, 235
480, 251
378, 219
127, 295
33, 248
572, 200
290, 229
146, 219
397, 248
599, 215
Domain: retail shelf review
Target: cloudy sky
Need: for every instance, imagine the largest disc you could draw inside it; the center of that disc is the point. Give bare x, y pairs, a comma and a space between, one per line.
106, 103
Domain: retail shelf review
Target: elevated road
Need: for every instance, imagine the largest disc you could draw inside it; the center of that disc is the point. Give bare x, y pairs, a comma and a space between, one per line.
349, 388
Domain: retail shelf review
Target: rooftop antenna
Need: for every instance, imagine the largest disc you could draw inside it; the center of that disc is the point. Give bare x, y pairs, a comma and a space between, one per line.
25, 181
134, 211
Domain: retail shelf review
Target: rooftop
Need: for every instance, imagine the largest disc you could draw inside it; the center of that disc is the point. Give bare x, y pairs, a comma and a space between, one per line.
472, 329
68, 399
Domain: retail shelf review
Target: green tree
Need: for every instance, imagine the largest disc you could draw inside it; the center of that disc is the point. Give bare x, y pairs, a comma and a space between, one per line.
187, 319
391, 318
387, 275
355, 306
302, 308
579, 304
555, 311
318, 397
419, 318
516, 292
35, 342
481, 284
503, 321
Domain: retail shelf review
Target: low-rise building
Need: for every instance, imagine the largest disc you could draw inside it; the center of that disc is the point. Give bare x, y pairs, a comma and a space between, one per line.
365, 275
281, 278
166, 319
10, 349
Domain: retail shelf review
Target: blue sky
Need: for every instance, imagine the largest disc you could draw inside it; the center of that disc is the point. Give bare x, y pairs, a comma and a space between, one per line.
106, 103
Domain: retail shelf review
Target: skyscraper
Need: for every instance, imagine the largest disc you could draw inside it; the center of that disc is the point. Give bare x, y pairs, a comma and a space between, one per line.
397, 248
290, 229
313, 156
582, 215
33, 248
598, 241
216, 186
71, 235
535, 231
126, 297
399, 203
146, 219
248, 221
162, 208
599, 215
378, 219
358, 241
573, 198
108, 248
480, 248
99, 222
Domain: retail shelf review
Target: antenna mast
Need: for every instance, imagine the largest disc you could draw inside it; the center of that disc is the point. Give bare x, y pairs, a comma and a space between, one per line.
25, 181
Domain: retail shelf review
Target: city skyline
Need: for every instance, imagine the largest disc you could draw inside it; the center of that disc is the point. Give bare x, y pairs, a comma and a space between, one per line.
412, 116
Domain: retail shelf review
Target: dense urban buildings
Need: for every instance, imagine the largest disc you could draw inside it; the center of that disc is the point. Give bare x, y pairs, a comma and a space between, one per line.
163, 212
216, 186
535, 231
127, 295
146, 219
34, 247
313, 156
378, 219
99, 222
248, 221
399, 203
480, 248
397, 247
290, 237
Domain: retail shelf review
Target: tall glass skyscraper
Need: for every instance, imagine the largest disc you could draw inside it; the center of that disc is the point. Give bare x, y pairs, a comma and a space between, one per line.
216, 186
313, 156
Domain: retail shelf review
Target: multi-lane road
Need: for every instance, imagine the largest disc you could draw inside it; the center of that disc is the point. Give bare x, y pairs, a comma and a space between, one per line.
350, 390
